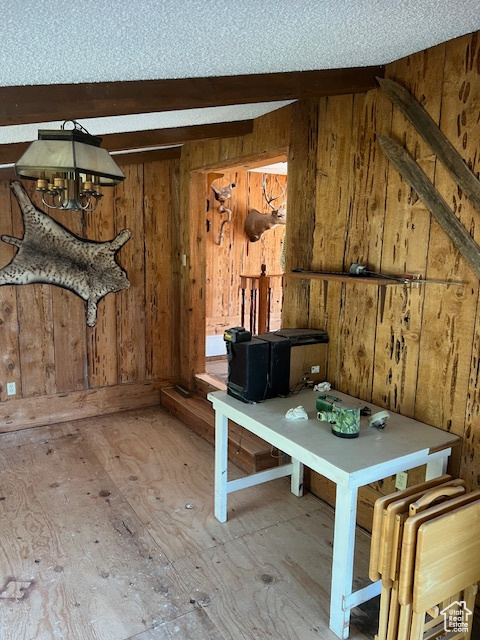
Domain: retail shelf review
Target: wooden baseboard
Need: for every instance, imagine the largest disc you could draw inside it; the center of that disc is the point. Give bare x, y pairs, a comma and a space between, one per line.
44, 410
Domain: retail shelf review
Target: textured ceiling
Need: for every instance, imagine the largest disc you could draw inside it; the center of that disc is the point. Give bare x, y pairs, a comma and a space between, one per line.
278, 167
65, 42
140, 122
60, 41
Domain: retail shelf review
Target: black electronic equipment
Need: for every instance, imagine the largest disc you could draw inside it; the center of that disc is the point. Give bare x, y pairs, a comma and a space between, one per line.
270, 364
248, 370
278, 364
237, 334
303, 336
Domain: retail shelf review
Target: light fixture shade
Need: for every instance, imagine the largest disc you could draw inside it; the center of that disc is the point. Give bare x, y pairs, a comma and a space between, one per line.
68, 151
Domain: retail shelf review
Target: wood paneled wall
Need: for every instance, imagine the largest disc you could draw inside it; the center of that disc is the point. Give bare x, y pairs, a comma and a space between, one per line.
46, 346
238, 256
415, 351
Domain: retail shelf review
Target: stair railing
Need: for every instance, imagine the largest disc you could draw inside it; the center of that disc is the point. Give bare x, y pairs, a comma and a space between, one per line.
256, 300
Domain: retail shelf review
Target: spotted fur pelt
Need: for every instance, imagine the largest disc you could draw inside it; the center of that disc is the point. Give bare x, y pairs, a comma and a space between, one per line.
50, 254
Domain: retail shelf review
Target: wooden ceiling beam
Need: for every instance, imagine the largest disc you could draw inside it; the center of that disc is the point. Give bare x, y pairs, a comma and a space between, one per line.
175, 135
148, 156
149, 138
8, 173
45, 103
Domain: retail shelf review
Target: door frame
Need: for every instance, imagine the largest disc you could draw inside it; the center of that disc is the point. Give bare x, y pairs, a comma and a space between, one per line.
195, 189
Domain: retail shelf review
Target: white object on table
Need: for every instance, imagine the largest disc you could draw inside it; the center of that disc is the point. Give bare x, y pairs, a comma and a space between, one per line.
322, 387
350, 463
296, 413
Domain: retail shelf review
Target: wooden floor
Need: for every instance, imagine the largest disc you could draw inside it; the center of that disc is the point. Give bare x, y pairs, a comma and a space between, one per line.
218, 369
108, 533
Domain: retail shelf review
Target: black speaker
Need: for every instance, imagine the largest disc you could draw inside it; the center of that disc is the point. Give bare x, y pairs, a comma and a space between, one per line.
248, 370
278, 364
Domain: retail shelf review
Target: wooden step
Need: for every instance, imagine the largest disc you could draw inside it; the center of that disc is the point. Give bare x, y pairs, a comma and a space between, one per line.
206, 383
246, 450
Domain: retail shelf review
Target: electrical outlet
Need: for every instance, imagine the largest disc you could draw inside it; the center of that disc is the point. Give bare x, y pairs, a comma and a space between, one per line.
401, 480
315, 368
11, 388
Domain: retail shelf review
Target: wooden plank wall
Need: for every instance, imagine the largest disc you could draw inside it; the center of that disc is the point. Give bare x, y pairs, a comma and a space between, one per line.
415, 351
48, 350
268, 141
237, 255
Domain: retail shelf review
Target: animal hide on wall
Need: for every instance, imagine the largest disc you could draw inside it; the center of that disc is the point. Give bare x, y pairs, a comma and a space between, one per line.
50, 254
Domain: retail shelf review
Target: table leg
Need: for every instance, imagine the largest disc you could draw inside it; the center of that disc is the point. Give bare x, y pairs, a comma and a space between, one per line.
221, 465
297, 478
342, 564
437, 467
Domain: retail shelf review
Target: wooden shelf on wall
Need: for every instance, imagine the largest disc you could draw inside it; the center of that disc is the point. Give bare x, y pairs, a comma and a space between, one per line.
342, 277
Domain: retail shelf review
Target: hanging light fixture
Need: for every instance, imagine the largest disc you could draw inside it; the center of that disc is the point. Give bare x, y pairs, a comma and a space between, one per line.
70, 168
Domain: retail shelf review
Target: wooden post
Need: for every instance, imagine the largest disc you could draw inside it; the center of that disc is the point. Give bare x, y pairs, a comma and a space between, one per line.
252, 307
263, 286
269, 306
243, 285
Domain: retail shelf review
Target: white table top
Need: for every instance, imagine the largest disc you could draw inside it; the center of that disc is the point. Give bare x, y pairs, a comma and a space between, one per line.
313, 443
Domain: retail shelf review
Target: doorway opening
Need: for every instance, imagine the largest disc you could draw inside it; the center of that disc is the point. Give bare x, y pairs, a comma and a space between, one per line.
246, 221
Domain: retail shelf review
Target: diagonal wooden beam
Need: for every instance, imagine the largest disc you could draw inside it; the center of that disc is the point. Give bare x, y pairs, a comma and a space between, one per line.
149, 138
433, 136
440, 210
45, 103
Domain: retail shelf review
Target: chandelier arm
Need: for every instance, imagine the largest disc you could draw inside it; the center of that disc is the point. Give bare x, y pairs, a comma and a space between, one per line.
86, 207
50, 206
58, 200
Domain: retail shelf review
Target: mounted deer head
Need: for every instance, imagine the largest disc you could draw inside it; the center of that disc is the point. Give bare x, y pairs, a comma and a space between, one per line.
222, 196
256, 223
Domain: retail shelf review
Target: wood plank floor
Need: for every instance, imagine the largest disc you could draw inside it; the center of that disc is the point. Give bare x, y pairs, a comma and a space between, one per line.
218, 369
107, 533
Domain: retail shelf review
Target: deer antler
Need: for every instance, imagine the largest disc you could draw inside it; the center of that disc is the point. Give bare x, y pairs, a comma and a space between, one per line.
269, 198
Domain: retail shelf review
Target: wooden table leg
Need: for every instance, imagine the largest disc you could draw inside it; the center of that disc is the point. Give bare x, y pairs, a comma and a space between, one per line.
469, 596
416, 630
384, 610
404, 622
393, 615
